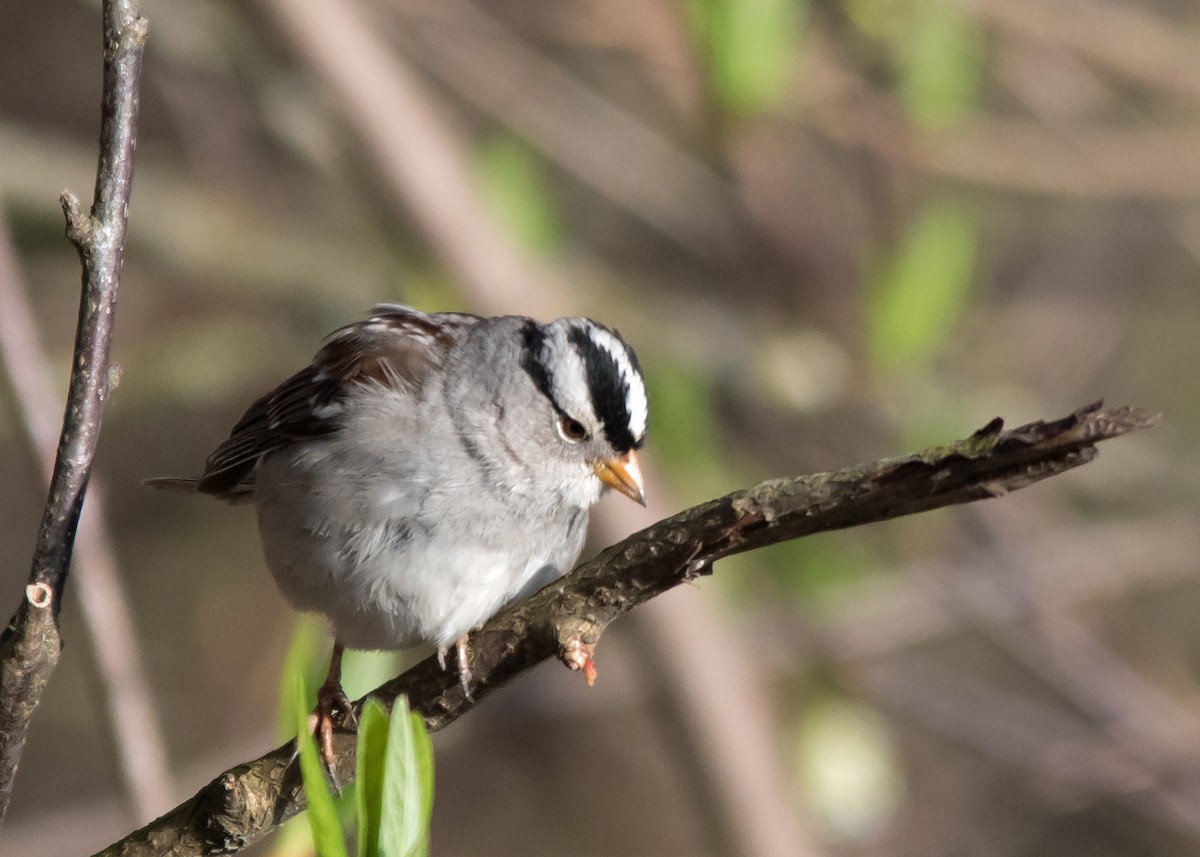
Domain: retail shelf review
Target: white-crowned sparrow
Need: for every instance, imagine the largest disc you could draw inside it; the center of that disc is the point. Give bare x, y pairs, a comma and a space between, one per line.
426, 470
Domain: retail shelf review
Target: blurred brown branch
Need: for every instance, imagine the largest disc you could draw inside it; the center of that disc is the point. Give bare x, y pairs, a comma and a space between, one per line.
31, 643
689, 203
1118, 736
1084, 160
129, 705
568, 617
1131, 41
418, 156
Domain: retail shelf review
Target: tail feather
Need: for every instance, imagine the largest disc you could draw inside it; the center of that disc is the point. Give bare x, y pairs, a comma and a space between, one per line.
240, 493
173, 483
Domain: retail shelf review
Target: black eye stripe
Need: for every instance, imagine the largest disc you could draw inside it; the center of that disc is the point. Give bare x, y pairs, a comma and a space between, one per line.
533, 337
608, 388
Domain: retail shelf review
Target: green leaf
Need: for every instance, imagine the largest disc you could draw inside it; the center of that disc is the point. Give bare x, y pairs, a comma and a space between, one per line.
941, 65
514, 189
881, 21
423, 753
322, 811
363, 671
816, 566
304, 658
920, 292
407, 797
684, 434
293, 839
372, 755
752, 47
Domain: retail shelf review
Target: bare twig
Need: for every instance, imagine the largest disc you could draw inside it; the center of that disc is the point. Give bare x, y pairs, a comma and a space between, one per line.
31, 643
140, 747
567, 618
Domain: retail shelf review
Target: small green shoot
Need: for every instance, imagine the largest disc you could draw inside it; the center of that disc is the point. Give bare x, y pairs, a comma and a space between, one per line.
408, 786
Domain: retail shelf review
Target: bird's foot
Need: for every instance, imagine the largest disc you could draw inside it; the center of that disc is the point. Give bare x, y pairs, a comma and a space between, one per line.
462, 660
331, 698
463, 657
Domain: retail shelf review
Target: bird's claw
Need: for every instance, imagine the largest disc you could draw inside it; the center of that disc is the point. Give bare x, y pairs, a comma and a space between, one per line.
331, 698
462, 662
580, 656
463, 657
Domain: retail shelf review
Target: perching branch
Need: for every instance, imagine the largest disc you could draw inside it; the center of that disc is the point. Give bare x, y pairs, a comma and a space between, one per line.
567, 618
30, 645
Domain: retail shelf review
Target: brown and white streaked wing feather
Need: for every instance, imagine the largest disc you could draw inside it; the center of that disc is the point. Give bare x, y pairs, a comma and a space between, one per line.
396, 346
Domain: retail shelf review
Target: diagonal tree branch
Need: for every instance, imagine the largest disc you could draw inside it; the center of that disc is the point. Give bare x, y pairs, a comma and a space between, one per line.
567, 618
30, 645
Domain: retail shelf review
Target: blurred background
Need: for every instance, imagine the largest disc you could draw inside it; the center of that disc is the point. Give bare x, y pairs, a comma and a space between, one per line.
835, 230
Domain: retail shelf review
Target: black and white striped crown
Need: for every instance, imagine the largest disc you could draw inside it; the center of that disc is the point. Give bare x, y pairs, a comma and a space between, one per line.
589, 374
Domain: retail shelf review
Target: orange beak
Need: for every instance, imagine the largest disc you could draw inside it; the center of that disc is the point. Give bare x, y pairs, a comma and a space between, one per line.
624, 474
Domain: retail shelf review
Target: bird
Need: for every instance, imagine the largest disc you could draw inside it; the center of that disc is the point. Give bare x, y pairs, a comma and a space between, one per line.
427, 469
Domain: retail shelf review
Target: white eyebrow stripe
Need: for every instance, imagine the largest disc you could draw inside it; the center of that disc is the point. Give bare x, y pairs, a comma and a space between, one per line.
568, 382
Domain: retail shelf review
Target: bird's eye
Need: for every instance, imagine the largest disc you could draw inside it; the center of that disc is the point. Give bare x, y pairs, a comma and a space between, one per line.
572, 431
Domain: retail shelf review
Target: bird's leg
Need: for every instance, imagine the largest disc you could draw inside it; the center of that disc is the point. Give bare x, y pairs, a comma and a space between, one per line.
462, 660
331, 698
463, 656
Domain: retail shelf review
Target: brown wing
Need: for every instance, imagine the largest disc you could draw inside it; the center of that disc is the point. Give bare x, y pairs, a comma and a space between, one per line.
395, 346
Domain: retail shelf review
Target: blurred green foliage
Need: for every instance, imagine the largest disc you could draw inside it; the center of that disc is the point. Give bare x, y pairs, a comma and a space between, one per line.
303, 659
752, 47
936, 50
917, 293
512, 184
683, 434
806, 568
941, 63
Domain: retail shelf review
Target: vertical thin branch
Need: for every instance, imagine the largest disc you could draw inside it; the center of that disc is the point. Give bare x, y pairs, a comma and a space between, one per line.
31, 644
140, 747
